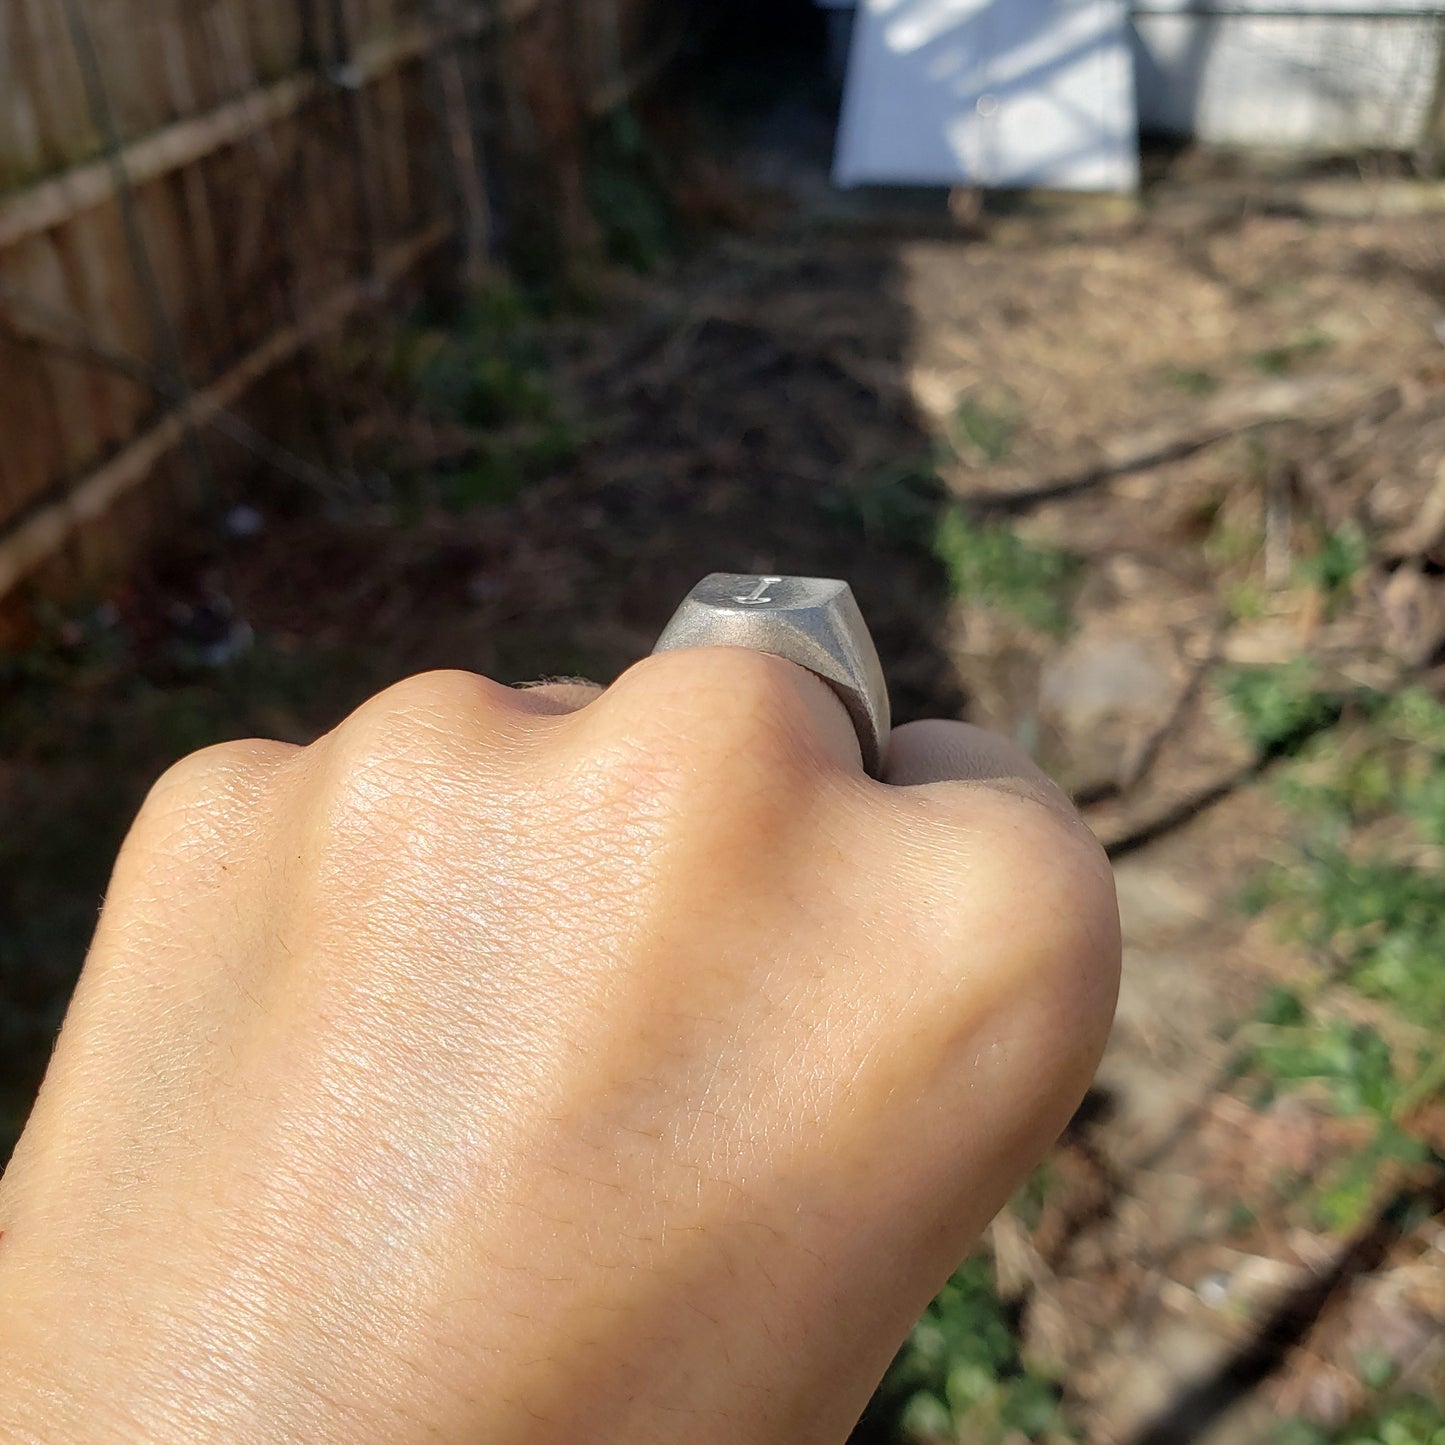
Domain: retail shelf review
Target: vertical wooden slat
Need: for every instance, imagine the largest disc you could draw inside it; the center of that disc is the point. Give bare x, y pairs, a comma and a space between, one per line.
228, 36
33, 451
19, 121
177, 50
297, 207
391, 133
463, 164
53, 83
50, 429
252, 179
201, 63
124, 34
108, 307
274, 37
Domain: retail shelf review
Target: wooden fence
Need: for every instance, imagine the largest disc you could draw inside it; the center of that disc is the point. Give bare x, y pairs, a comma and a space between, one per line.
194, 192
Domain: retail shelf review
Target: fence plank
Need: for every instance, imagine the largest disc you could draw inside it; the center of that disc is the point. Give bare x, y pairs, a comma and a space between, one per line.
53, 201
242, 175
52, 83
45, 531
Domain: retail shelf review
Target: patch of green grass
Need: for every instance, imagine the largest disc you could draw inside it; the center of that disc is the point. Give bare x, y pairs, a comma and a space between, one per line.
627, 192
960, 1375
1365, 893
484, 374
1351, 1060
1355, 1069
505, 463
1342, 555
1413, 1420
991, 566
1246, 601
1376, 910
1281, 360
1190, 381
1377, 1368
1280, 708
487, 369
898, 504
1241, 1219
1348, 1192
1382, 918
985, 427
1028, 1203
1231, 544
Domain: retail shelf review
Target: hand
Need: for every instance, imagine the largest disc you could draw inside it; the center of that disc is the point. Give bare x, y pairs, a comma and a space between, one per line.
504, 1069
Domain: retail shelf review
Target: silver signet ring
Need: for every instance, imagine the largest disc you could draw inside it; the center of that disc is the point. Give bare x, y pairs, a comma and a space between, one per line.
812, 621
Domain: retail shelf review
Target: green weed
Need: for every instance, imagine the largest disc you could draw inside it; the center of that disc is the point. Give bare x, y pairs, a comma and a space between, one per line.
1241, 1219
1246, 601
1411, 1421
1365, 893
1377, 910
504, 464
1190, 381
1351, 1060
486, 370
1378, 1369
985, 427
899, 504
485, 374
1231, 544
1347, 1192
1355, 1069
1281, 360
1028, 1203
959, 1375
1280, 707
1341, 556
628, 195
993, 567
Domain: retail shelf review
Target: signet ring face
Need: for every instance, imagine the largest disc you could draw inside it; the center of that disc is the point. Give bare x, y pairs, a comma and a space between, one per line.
811, 621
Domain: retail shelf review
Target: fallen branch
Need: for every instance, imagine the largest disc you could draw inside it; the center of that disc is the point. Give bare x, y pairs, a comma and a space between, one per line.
1307, 399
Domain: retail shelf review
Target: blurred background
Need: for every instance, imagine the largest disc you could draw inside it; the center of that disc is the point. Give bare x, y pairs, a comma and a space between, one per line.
1098, 344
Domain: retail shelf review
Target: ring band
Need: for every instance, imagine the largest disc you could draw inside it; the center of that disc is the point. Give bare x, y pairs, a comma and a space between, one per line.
811, 621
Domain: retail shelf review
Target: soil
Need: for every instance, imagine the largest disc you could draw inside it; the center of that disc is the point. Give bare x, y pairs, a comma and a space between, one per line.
1191, 395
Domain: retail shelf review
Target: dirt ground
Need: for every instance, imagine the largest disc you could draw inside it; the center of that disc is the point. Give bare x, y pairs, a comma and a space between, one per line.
1189, 400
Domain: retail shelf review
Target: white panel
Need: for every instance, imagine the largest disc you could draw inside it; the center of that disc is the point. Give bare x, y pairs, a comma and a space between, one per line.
990, 93
1307, 82
1300, 8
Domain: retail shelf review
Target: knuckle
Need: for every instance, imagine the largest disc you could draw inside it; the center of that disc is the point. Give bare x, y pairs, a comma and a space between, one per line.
410, 766
1059, 887
1017, 884
416, 722
200, 804
217, 777
717, 708
707, 748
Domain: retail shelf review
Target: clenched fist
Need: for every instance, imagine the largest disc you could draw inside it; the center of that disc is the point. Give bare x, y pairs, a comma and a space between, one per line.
544, 1066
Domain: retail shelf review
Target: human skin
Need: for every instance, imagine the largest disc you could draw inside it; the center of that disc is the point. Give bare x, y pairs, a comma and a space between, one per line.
503, 1068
